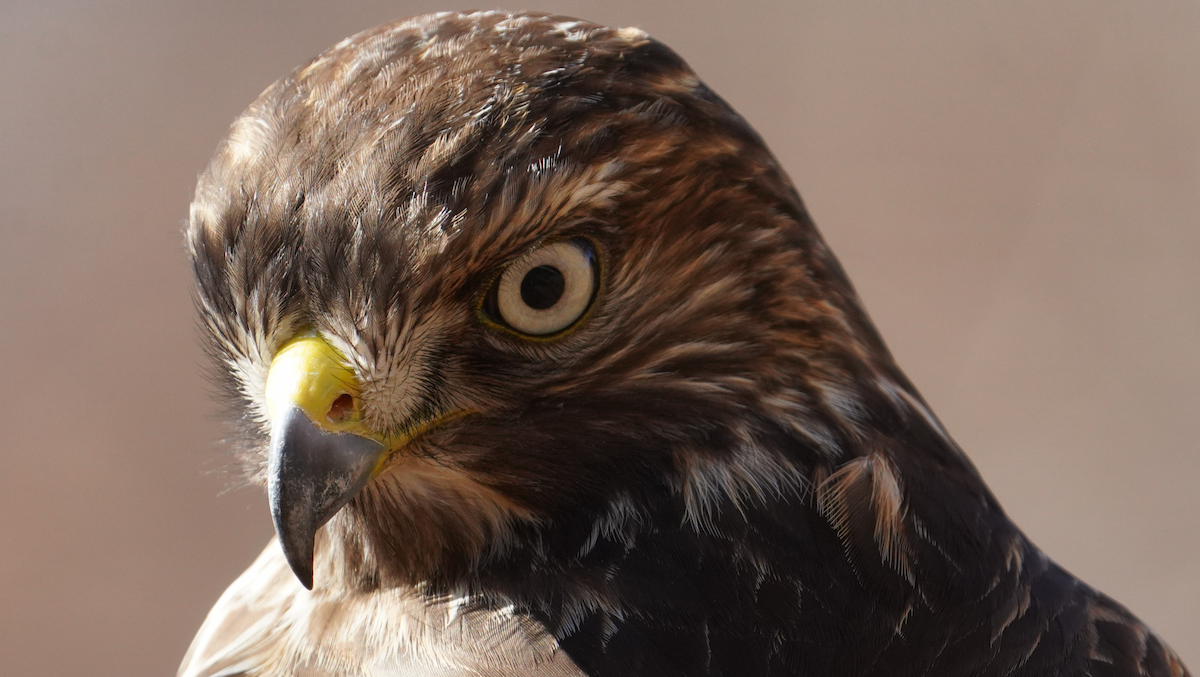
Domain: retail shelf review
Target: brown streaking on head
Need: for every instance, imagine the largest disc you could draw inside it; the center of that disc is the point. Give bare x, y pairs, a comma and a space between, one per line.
710, 466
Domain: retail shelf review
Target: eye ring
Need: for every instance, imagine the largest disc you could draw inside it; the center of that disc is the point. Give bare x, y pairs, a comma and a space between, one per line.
546, 292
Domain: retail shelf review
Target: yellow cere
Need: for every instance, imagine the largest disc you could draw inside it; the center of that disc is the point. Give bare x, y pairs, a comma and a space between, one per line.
307, 372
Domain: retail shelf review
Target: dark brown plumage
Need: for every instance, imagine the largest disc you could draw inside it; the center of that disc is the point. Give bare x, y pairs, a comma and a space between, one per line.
713, 467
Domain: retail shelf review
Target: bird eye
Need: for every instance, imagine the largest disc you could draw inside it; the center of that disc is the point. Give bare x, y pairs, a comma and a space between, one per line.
546, 291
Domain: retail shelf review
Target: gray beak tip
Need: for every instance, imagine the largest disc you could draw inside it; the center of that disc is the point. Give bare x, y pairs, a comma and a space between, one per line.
312, 474
296, 540
303, 572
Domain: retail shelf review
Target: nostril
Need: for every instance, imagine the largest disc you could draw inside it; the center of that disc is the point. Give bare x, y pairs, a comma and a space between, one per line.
342, 409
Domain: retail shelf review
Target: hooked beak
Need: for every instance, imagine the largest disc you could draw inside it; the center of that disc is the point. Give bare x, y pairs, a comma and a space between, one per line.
311, 474
321, 455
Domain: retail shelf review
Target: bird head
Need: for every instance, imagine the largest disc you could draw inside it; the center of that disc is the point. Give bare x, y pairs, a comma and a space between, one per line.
468, 277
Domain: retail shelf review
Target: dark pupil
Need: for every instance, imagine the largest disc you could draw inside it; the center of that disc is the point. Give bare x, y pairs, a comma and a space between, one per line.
542, 287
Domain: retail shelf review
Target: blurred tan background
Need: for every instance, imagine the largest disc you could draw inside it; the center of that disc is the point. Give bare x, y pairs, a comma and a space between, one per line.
1014, 186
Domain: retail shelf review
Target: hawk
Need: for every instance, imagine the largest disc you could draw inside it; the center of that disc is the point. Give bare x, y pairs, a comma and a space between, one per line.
547, 371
